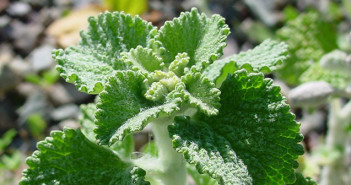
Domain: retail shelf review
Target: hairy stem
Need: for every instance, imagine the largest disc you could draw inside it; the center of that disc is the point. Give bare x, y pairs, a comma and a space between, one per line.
169, 168
335, 140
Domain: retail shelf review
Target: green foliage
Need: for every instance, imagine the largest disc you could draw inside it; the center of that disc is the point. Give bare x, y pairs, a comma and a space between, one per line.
239, 133
6, 139
263, 58
98, 52
301, 180
37, 125
70, 158
309, 37
47, 78
253, 139
12, 160
129, 6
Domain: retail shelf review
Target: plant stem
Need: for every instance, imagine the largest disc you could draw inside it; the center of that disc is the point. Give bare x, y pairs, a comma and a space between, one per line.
335, 140
169, 168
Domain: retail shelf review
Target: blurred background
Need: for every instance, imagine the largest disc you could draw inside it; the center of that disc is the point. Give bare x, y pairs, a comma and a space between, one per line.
34, 100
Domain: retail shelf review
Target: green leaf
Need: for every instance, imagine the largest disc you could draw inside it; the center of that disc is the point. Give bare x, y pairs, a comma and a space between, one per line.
301, 180
68, 157
318, 73
253, 140
6, 139
37, 125
200, 179
129, 6
97, 55
123, 109
309, 37
263, 58
11, 162
142, 59
202, 38
178, 66
123, 148
200, 92
87, 121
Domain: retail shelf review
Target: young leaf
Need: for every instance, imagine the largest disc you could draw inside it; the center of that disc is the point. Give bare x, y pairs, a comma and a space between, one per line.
263, 58
142, 59
202, 38
68, 157
253, 140
200, 93
97, 55
123, 109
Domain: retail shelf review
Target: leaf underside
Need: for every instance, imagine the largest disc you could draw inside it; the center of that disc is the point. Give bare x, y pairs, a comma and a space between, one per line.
97, 55
70, 158
263, 58
253, 139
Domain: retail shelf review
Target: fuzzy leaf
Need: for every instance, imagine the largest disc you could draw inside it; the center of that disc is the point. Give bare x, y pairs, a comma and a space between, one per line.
253, 140
200, 179
202, 38
201, 93
123, 109
309, 37
263, 58
68, 157
97, 55
301, 180
142, 59
87, 120
336, 79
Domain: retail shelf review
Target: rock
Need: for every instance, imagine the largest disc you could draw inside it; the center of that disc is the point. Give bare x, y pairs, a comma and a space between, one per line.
63, 2
19, 66
25, 35
69, 124
4, 21
39, 3
3, 4
26, 89
35, 104
59, 95
67, 93
5, 28
8, 78
7, 116
48, 15
65, 112
18, 9
40, 58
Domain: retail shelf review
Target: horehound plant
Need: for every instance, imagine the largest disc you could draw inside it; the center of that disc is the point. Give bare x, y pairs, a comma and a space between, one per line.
334, 89
221, 117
